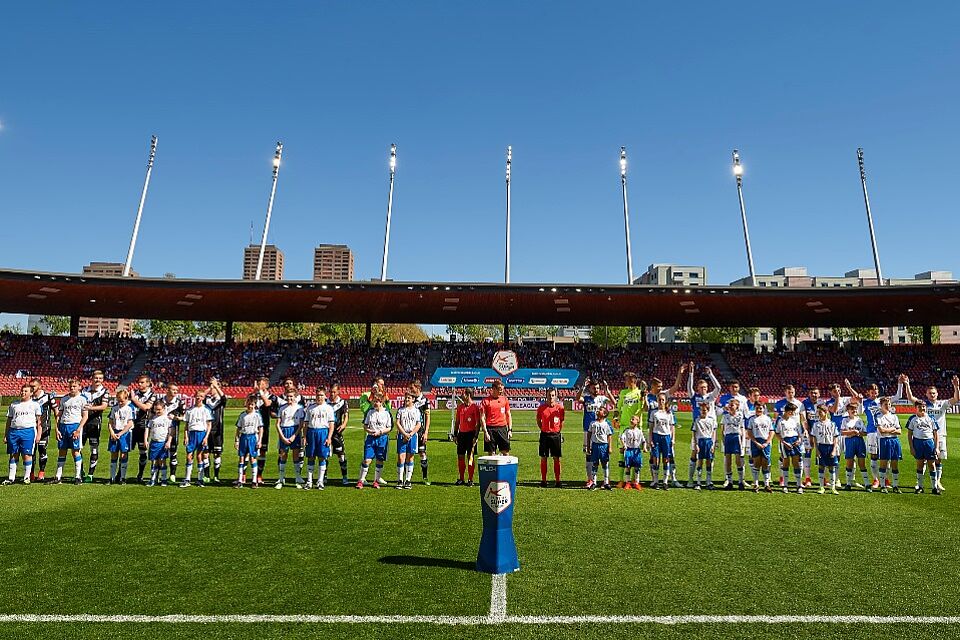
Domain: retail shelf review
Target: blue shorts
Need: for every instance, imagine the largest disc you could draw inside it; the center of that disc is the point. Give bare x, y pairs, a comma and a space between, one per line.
288, 432
375, 447
633, 458
21, 441
157, 451
825, 457
662, 446
407, 446
923, 449
195, 441
806, 448
248, 445
64, 438
599, 452
731, 443
890, 449
316, 444
123, 444
704, 448
854, 447
757, 451
791, 447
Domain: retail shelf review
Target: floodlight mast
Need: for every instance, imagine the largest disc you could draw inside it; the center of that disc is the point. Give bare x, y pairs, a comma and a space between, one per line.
386, 234
866, 203
273, 192
738, 173
506, 266
626, 212
143, 200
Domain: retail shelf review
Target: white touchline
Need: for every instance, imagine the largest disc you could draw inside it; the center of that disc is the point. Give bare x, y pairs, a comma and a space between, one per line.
498, 598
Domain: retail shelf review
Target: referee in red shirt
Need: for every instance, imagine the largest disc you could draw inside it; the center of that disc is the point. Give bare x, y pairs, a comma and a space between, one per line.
466, 432
495, 420
550, 421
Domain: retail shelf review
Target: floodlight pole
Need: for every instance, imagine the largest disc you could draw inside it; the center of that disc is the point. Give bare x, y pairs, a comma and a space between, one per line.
506, 266
738, 172
866, 203
626, 212
143, 200
273, 192
386, 234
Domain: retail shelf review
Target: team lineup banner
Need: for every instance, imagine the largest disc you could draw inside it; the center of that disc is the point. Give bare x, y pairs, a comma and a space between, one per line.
519, 379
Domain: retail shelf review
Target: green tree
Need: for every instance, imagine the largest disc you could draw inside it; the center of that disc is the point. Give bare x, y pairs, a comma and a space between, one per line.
607, 337
794, 333
57, 325
213, 330
855, 334
476, 332
916, 334
717, 335
170, 329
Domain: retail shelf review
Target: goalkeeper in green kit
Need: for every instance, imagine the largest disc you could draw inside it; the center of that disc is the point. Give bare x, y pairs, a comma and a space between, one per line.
630, 402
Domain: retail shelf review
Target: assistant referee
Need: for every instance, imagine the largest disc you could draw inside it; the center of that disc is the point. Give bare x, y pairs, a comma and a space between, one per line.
550, 421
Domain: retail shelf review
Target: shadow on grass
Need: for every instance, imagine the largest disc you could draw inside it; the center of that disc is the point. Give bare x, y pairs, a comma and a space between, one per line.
420, 561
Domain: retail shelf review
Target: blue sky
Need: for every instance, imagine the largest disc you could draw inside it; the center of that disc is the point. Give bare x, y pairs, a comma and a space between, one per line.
796, 87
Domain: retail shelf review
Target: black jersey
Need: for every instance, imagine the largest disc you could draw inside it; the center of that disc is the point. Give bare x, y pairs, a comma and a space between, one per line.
264, 410
422, 403
141, 416
339, 411
175, 409
216, 405
96, 397
47, 403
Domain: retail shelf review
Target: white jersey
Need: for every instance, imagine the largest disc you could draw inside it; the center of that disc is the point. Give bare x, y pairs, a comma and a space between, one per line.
24, 414
922, 428
789, 427
120, 415
853, 424
249, 423
197, 418
380, 422
320, 416
159, 427
600, 431
71, 408
937, 410
887, 421
760, 426
705, 428
290, 414
409, 419
732, 423
825, 432
661, 422
632, 438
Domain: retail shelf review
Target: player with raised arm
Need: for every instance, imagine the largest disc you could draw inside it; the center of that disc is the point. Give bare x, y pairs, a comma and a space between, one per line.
663, 428
704, 440
924, 432
120, 430
266, 403
825, 439
71, 417
142, 397
590, 396
341, 414
653, 405
157, 440
98, 401
733, 429
319, 425
197, 421
600, 440
870, 407
937, 410
216, 401
466, 433
888, 429
760, 433
698, 394
550, 421
22, 431
409, 423
630, 400
290, 418
809, 409
247, 442
422, 404
789, 431
378, 422
790, 397
838, 411
854, 446
48, 404
174, 409
496, 421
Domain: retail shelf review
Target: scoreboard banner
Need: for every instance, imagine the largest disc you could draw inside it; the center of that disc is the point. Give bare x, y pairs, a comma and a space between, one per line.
519, 379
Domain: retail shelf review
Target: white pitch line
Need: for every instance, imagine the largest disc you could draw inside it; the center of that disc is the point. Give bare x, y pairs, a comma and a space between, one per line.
498, 598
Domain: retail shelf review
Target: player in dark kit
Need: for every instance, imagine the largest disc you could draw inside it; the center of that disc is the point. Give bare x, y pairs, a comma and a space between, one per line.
266, 404
422, 403
142, 398
341, 414
48, 405
173, 403
216, 401
98, 401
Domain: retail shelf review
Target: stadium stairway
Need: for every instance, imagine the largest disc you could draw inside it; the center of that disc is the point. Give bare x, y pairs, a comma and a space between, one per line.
136, 367
281, 369
721, 368
434, 356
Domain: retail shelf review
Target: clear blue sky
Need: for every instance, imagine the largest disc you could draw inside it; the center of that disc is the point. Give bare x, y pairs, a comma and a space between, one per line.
797, 87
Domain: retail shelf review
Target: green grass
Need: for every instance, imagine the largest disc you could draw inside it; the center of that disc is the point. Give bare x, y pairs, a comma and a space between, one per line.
100, 549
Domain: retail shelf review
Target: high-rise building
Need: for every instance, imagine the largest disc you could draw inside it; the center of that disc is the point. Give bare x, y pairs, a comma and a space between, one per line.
105, 326
332, 262
272, 262
670, 275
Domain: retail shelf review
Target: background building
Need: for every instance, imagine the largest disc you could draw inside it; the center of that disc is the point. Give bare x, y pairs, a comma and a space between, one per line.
272, 262
105, 326
332, 262
670, 275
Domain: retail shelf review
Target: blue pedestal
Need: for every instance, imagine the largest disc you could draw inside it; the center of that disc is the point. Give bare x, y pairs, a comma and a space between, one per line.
498, 486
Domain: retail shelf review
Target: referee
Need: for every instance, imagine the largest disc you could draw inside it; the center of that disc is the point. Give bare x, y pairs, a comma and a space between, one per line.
550, 421
495, 420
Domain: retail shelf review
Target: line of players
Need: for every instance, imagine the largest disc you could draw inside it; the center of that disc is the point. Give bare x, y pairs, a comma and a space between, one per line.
824, 426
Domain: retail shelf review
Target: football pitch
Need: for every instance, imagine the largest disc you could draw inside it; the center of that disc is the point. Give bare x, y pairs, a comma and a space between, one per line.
98, 561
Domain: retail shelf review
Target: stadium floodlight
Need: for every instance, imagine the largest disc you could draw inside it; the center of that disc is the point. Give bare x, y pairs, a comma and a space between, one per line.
386, 233
738, 173
866, 203
143, 199
506, 266
273, 192
626, 212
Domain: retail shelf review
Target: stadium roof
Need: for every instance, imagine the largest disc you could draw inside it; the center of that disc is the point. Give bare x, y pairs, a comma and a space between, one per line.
475, 303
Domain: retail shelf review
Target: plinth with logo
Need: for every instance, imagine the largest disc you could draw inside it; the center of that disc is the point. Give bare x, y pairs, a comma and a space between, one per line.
498, 485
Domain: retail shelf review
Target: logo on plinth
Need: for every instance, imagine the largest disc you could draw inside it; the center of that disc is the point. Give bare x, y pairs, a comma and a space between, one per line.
497, 496
505, 362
